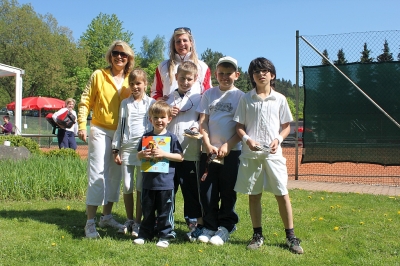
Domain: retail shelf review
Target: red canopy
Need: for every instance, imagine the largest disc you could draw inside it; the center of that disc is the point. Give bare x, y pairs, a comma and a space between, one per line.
38, 103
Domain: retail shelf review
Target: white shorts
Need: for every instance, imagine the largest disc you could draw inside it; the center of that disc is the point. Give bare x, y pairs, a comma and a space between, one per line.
104, 175
128, 174
254, 174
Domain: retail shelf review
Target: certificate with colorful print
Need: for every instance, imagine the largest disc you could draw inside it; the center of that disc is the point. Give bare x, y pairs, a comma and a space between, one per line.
156, 165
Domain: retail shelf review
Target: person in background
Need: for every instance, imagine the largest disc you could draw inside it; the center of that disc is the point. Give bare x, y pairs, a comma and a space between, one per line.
103, 95
66, 136
133, 123
181, 48
260, 115
7, 126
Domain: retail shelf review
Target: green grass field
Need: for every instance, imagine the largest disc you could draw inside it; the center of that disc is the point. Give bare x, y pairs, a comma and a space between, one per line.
42, 215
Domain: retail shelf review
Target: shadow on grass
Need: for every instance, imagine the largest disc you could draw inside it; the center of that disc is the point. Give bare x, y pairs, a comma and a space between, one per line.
73, 222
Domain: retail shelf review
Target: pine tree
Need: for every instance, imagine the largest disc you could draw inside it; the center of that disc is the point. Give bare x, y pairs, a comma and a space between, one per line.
365, 55
341, 58
386, 56
324, 61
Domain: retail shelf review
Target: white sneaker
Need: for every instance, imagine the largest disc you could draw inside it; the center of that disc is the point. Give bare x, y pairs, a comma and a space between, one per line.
206, 235
138, 241
220, 237
90, 230
162, 243
135, 229
110, 222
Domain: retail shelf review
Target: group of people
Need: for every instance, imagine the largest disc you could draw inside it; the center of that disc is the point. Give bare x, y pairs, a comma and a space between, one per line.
221, 141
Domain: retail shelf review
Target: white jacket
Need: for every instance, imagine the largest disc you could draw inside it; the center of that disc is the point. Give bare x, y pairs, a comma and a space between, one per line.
186, 120
122, 134
74, 128
162, 83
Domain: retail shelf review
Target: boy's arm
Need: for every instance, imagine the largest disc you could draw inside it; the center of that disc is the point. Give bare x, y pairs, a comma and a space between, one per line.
225, 148
240, 130
282, 135
205, 132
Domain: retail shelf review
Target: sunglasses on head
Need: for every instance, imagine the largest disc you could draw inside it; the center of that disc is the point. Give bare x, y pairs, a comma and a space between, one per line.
184, 28
116, 53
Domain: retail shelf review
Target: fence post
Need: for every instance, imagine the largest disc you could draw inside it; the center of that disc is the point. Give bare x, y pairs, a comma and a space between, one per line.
296, 162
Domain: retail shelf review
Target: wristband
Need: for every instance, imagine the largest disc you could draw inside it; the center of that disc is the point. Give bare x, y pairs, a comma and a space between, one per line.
280, 139
245, 138
115, 151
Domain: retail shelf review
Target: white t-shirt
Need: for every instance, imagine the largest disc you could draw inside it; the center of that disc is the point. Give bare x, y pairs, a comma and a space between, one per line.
221, 107
262, 119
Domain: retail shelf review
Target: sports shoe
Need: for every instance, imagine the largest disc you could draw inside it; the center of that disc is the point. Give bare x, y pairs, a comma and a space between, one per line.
256, 241
110, 222
220, 237
193, 235
135, 229
90, 230
162, 243
127, 227
294, 245
138, 241
206, 235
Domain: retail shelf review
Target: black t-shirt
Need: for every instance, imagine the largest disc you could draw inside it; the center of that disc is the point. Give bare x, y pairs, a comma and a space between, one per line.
161, 181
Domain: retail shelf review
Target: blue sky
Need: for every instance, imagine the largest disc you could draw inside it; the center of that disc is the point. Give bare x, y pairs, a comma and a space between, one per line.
241, 29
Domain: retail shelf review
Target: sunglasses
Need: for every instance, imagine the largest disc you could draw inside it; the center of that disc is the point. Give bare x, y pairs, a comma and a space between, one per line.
260, 71
184, 28
191, 104
116, 53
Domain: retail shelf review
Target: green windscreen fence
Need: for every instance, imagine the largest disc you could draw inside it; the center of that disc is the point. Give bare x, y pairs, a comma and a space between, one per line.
341, 124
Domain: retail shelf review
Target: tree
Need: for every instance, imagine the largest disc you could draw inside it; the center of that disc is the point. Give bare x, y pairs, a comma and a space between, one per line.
211, 59
341, 58
324, 61
151, 54
365, 55
46, 51
101, 32
386, 56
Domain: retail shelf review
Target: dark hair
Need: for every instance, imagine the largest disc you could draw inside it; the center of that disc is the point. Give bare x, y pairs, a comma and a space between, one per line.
262, 63
7, 117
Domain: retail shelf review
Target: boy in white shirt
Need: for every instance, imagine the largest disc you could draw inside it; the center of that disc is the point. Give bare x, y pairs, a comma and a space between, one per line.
184, 103
259, 116
217, 108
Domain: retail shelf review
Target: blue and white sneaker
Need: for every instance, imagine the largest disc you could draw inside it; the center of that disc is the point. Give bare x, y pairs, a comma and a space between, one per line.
220, 237
206, 235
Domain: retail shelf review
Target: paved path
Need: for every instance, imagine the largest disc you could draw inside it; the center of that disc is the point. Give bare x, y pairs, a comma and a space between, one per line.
343, 187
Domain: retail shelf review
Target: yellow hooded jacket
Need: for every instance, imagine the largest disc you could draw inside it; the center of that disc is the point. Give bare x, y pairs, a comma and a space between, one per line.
101, 96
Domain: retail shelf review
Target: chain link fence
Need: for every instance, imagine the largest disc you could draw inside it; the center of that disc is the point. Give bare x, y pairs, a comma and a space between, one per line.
351, 130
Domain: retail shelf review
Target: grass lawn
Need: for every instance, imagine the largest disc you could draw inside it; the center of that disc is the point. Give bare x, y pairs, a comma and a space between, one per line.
336, 229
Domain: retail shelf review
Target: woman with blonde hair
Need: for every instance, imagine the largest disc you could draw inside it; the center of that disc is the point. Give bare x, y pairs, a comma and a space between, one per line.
181, 48
103, 95
66, 136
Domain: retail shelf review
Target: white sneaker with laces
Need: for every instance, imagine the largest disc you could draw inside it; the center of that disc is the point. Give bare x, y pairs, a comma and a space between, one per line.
206, 235
162, 243
110, 222
138, 241
135, 229
90, 230
220, 237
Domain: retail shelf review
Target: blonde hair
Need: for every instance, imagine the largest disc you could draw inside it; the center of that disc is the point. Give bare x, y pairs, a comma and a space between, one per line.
172, 52
127, 49
189, 67
67, 101
160, 107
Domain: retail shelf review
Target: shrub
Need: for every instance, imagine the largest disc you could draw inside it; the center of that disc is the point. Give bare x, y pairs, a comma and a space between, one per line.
19, 141
62, 153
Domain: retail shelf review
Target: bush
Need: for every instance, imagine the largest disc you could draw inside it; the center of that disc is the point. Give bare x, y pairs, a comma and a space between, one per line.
62, 153
19, 141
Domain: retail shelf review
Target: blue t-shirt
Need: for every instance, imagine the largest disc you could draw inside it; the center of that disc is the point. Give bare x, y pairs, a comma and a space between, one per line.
161, 181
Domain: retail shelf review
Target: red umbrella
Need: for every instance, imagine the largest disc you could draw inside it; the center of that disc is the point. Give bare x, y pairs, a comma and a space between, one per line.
38, 103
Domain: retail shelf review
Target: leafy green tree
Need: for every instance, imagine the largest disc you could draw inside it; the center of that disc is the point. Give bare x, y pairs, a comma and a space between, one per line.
386, 56
365, 55
151, 54
46, 51
211, 59
324, 61
101, 32
341, 58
